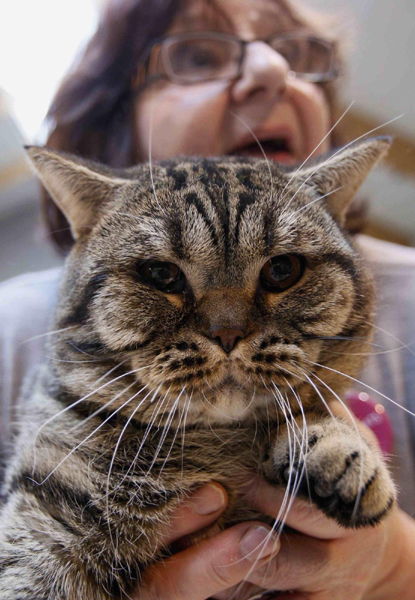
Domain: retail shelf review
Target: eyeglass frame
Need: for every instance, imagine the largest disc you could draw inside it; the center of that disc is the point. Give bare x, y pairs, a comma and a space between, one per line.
151, 60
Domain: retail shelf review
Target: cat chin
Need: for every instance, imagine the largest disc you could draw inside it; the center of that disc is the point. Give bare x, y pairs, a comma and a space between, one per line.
227, 405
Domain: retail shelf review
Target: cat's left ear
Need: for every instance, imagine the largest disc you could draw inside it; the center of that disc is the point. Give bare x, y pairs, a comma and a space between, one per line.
339, 175
80, 188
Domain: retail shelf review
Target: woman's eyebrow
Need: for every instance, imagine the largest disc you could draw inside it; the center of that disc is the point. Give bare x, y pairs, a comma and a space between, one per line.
203, 18
192, 18
272, 20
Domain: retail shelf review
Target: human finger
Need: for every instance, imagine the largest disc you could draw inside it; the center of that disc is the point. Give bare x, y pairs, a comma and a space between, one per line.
210, 567
290, 596
337, 594
303, 516
242, 591
306, 564
199, 510
301, 563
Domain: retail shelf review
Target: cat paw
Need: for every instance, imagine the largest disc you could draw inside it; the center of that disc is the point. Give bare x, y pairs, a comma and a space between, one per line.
336, 469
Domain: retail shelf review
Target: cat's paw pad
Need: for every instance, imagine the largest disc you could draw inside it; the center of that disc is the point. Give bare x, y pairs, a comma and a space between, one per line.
337, 469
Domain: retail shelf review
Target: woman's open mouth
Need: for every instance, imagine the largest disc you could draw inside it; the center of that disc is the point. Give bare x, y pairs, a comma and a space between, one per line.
277, 149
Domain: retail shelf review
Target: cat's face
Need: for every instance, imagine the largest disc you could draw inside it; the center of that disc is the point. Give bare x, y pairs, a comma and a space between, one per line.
220, 288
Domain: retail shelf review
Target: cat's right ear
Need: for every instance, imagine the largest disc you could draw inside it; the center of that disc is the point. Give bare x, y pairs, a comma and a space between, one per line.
337, 176
79, 188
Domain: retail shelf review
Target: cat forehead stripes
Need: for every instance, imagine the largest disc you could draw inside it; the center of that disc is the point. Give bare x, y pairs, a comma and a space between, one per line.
221, 192
207, 204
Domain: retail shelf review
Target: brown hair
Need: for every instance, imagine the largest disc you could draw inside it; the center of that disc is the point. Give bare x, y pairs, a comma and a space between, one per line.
92, 113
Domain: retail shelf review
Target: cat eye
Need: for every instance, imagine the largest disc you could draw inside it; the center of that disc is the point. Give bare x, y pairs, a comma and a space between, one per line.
282, 272
164, 276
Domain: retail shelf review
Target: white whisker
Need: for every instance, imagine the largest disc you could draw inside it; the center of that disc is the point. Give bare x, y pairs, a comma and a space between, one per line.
111, 370
316, 200
76, 362
186, 411
158, 406
332, 156
165, 430
353, 419
304, 433
365, 385
150, 157
64, 410
71, 343
103, 407
279, 521
404, 346
160, 444
379, 353
177, 429
114, 454
36, 337
83, 442
318, 145
259, 144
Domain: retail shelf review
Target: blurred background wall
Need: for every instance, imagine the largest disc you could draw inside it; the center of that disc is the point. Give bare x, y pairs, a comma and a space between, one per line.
38, 41
380, 45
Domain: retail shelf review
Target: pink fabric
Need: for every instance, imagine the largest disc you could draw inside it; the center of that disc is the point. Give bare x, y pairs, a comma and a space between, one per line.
374, 415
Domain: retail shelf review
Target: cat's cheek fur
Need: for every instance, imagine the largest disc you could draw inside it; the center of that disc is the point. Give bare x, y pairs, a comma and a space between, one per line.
126, 312
326, 299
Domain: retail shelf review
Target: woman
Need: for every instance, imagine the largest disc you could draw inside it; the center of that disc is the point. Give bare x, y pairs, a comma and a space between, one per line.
132, 97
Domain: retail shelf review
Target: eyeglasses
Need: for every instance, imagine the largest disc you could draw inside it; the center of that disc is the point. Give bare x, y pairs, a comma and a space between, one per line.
190, 58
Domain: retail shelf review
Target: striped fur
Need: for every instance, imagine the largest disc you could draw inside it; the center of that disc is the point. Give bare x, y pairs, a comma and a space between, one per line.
139, 406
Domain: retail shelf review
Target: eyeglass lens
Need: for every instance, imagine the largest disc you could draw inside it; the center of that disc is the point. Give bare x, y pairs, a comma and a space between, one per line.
305, 56
189, 60
203, 59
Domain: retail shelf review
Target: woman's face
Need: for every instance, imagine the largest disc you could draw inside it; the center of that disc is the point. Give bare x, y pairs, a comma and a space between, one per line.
218, 117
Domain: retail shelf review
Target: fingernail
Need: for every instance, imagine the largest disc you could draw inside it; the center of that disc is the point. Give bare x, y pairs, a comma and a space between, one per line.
209, 499
259, 542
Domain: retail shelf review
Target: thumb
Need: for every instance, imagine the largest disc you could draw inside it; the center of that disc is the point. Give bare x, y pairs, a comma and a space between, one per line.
211, 566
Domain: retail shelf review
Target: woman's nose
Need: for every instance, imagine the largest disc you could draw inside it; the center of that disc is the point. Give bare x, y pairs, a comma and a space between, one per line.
264, 71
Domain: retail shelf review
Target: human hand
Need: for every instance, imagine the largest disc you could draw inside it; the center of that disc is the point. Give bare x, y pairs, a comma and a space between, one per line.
319, 560
211, 566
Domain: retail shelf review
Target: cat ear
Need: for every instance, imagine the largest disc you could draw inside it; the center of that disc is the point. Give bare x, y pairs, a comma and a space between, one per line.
79, 188
339, 175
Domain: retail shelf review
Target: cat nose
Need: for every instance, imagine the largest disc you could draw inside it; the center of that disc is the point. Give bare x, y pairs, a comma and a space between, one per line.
227, 337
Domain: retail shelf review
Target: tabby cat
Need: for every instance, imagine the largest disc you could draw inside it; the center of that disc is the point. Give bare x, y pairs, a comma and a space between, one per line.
208, 310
